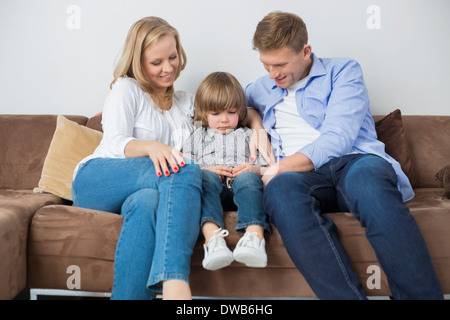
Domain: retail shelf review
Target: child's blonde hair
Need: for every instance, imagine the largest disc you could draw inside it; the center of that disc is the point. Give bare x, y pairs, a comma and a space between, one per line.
220, 91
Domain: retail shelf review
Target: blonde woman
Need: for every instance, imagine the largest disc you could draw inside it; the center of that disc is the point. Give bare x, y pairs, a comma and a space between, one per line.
138, 170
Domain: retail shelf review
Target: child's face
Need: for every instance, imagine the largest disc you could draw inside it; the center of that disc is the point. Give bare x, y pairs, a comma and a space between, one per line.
223, 121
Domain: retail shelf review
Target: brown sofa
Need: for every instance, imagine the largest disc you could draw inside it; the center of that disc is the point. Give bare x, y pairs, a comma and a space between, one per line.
43, 235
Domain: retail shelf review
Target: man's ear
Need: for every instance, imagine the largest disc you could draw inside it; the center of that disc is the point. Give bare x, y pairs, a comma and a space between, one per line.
307, 50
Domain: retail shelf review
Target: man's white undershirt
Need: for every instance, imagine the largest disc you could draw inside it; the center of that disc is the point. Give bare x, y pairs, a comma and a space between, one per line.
294, 131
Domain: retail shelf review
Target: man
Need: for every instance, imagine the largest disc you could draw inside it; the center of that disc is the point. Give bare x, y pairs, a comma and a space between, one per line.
316, 113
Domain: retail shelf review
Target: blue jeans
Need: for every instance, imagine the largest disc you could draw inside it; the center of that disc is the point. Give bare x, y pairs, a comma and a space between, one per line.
247, 193
365, 186
161, 219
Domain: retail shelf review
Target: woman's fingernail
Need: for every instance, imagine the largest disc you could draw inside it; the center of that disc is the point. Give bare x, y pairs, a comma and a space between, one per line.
182, 163
253, 159
166, 173
175, 169
159, 174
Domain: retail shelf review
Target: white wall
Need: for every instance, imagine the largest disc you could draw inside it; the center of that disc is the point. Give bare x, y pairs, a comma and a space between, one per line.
58, 59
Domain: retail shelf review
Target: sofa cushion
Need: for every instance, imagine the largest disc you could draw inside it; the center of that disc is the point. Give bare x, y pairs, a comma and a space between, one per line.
62, 236
429, 147
70, 144
25, 140
390, 131
95, 122
17, 208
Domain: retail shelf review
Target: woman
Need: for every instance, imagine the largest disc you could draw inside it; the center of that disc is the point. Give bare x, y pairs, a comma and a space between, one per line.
138, 170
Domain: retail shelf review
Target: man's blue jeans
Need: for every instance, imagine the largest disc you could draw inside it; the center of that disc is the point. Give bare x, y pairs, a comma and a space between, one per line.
247, 194
161, 219
366, 186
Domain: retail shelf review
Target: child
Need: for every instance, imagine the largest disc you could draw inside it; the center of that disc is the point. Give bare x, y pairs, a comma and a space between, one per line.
220, 146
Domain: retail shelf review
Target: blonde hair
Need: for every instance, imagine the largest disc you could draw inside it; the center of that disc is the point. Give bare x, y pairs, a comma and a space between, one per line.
220, 91
279, 29
141, 35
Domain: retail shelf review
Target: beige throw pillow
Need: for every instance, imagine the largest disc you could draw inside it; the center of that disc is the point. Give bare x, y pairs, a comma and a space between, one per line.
70, 144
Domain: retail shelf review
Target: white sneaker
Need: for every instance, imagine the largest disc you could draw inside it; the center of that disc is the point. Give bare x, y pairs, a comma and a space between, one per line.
217, 254
251, 251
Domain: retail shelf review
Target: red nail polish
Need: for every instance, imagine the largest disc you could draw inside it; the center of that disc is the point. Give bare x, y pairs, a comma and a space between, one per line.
166, 173
182, 164
159, 174
175, 169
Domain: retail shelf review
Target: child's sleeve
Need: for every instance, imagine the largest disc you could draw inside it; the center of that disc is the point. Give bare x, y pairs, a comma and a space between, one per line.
188, 148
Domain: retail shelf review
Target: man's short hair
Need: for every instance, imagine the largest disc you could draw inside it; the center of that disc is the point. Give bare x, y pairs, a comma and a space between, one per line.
279, 29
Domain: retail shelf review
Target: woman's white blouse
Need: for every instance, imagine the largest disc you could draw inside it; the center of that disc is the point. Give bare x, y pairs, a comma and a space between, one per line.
129, 114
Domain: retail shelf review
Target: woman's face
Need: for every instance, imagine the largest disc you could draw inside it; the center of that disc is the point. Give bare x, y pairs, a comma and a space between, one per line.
160, 63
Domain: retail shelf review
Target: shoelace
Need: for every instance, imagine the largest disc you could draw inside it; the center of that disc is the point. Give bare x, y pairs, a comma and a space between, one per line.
250, 238
214, 240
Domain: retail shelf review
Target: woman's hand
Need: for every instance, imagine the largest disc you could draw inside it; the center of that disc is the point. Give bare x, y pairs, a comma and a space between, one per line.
161, 154
259, 139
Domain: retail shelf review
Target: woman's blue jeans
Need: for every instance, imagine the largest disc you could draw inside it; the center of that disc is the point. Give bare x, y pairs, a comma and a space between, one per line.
161, 219
247, 194
365, 186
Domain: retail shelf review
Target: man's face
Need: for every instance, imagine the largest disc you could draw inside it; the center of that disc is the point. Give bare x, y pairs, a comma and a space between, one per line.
286, 66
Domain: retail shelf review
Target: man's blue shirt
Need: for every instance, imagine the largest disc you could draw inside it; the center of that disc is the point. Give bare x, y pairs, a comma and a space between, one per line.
334, 101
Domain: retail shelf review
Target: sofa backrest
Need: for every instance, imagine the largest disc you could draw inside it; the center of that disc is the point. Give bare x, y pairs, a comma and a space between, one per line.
24, 142
429, 146
25, 139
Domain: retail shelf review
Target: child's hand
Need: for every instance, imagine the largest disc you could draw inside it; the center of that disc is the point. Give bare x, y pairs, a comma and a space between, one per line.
246, 167
222, 171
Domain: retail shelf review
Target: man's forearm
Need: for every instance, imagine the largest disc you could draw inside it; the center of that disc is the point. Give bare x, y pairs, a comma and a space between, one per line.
297, 162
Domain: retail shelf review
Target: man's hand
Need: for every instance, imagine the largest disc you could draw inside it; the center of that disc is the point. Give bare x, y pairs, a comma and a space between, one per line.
297, 162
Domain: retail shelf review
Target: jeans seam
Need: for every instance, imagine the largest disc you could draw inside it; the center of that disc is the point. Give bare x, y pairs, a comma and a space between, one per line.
122, 231
356, 215
169, 215
331, 244
75, 197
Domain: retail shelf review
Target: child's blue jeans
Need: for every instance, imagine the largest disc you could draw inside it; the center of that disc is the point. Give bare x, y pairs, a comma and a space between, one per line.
247, 193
